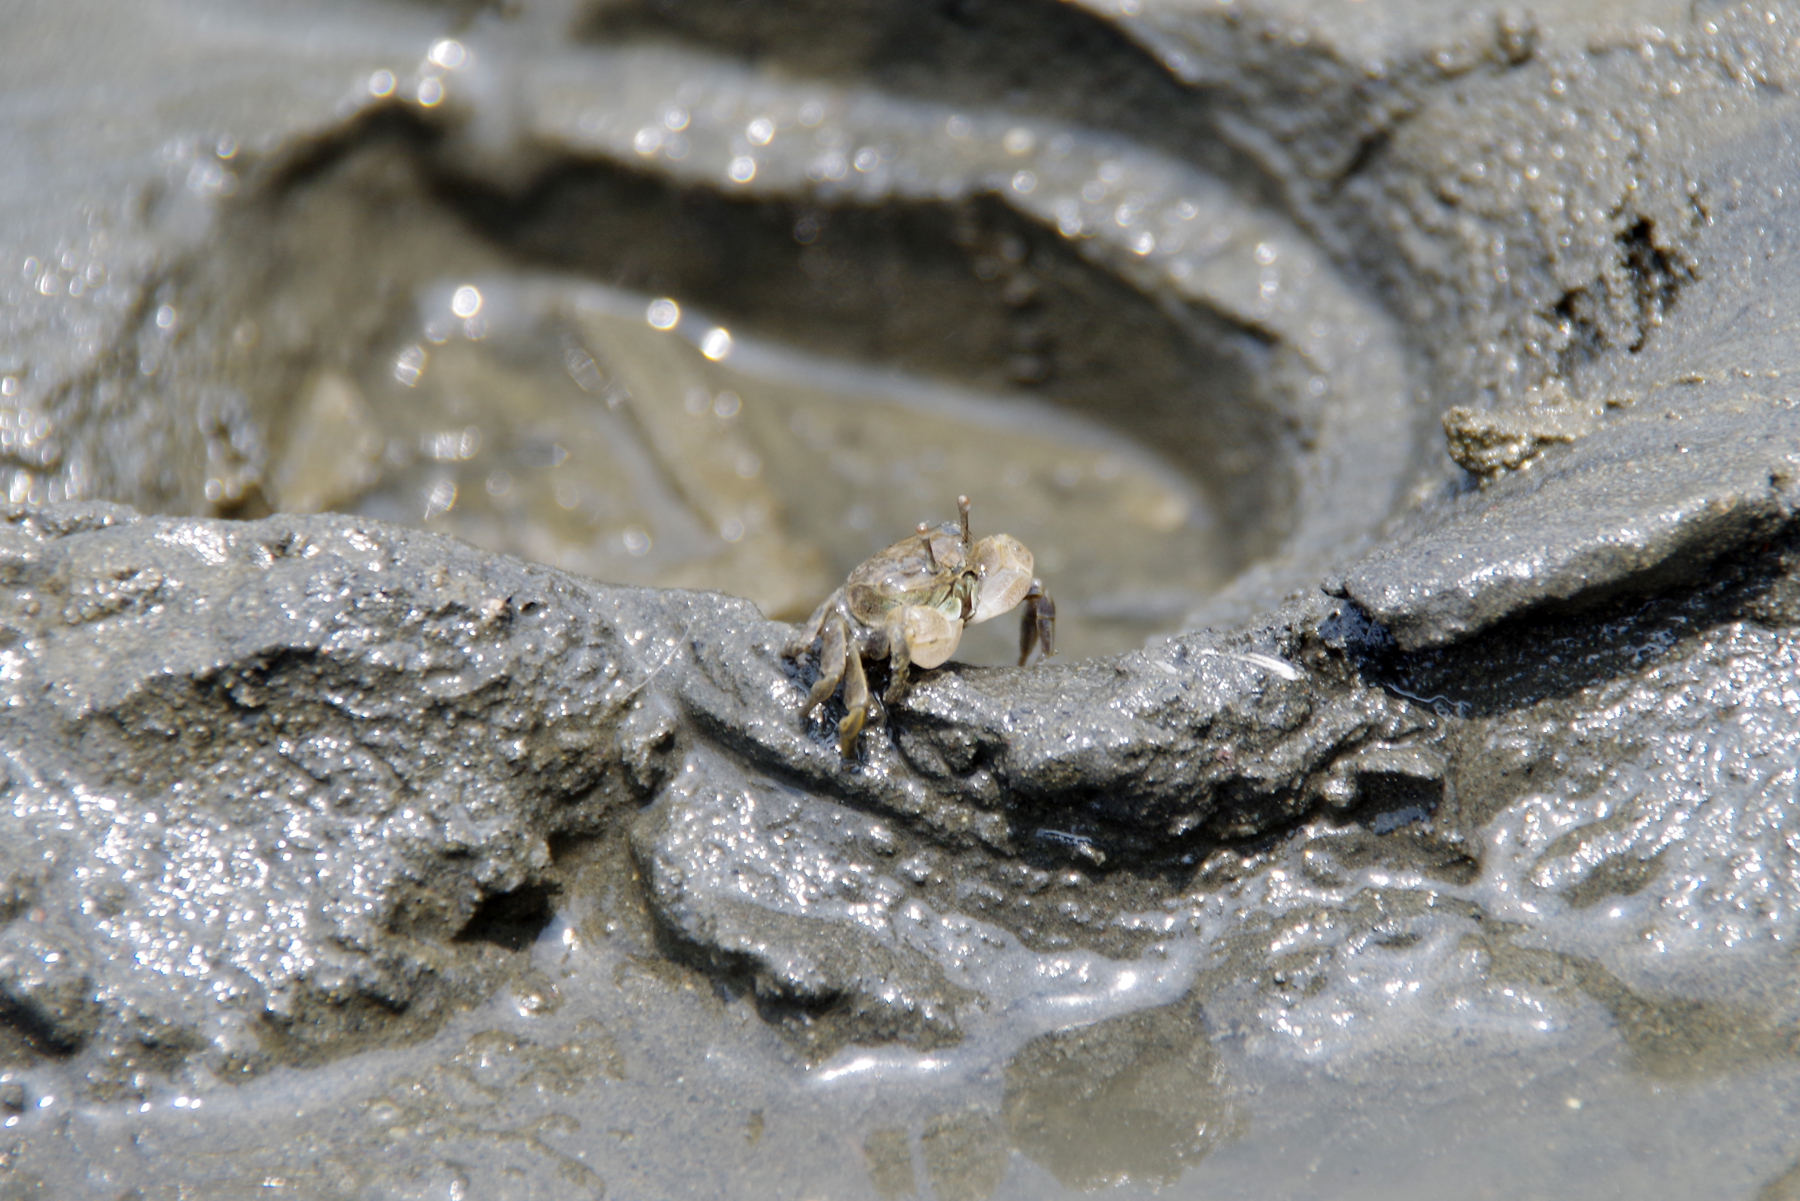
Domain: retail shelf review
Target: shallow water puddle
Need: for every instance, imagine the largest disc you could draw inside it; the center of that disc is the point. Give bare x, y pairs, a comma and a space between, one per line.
617, 435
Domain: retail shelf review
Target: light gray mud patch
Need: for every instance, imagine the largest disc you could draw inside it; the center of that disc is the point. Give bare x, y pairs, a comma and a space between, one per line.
1650, 502
236, 833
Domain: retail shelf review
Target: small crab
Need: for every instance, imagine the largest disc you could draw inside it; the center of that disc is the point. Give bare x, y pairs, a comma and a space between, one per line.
909, 605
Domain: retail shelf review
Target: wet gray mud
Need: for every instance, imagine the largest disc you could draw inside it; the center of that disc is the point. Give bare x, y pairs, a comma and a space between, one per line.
419, 423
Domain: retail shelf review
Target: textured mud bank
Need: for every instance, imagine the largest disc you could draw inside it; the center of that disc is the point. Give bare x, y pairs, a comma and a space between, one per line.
1397, 401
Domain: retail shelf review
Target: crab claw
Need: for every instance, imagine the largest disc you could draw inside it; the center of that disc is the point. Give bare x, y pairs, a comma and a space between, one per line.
931, 637
1037, 626
1004, 566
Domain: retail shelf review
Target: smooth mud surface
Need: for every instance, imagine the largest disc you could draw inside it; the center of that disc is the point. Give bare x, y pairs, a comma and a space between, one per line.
418, 424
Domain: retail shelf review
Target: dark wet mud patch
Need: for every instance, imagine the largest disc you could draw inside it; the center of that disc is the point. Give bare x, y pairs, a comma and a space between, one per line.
825, 988
511, 920
46, 1024
1622, 875
1379, 816
326, 1028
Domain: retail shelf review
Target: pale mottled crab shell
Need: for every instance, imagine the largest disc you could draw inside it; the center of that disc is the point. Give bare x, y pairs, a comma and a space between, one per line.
1005, 566
904, 574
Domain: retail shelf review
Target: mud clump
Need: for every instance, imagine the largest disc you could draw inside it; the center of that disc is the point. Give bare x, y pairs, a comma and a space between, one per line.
217, 764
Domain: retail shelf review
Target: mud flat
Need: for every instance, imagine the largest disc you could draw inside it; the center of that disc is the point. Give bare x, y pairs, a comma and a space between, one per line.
418, 424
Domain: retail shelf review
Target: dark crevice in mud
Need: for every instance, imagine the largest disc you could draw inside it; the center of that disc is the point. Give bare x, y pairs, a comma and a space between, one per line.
307, 161
736, 977
1369, 148
511, 920
1658, 277
18, 893
244, 688
1622, 307
28, 1032
1391, 801
1392, 823
1555, 653
970, 292
252, 505
1584, 341
1034, 57
1081, 836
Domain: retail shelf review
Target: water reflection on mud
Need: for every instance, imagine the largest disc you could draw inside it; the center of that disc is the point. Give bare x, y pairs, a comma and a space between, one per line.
1139, 1098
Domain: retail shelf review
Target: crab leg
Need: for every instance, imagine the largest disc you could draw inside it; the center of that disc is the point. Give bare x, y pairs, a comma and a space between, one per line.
1037, 626
815, 625
832, 654
856, 701
899, 654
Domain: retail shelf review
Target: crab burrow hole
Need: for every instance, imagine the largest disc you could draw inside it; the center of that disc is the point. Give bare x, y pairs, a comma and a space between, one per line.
690, 325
